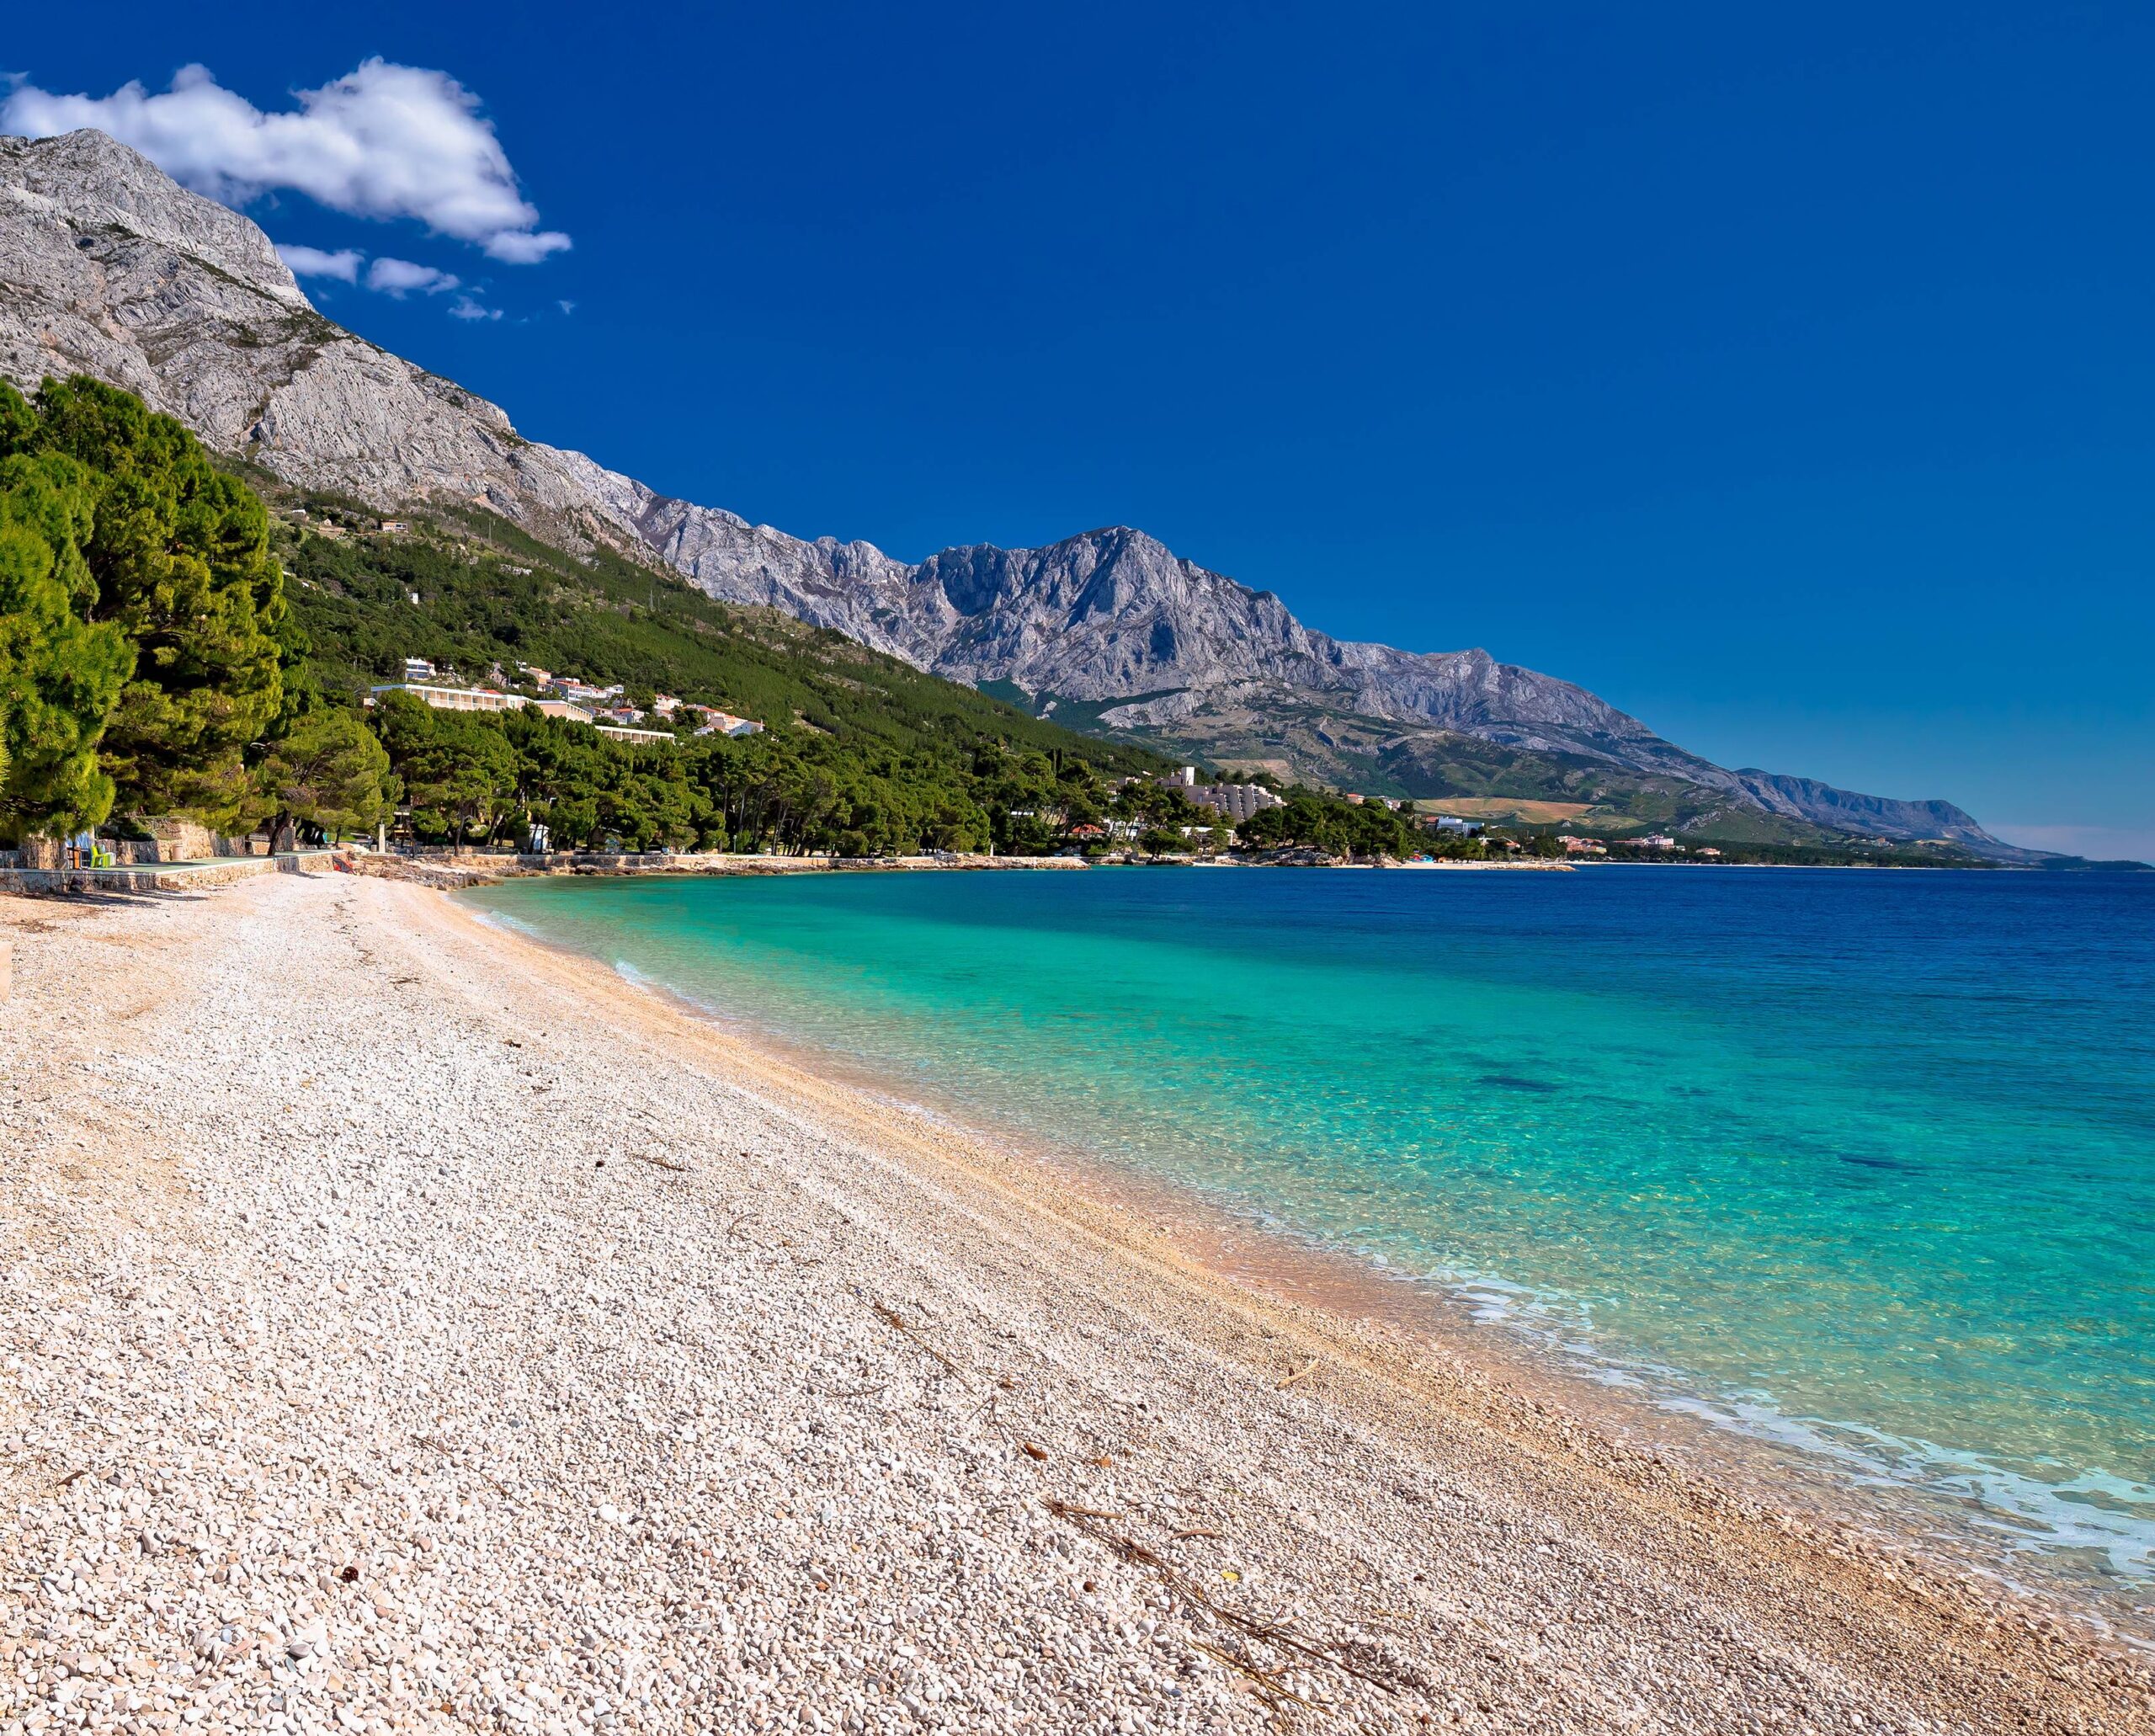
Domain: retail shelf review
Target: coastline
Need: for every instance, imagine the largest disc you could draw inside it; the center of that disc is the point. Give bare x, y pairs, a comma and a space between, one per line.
1789, 1469
451, 867
1445, 1547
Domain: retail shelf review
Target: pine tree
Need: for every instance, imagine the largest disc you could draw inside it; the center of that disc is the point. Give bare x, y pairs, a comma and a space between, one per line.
329, 772
179, 555
60, 674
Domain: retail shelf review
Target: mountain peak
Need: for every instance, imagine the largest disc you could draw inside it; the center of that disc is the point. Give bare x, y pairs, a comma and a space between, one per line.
114, 271
106, 191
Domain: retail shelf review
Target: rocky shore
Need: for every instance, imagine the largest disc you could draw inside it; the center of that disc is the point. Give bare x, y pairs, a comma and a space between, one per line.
405, 1327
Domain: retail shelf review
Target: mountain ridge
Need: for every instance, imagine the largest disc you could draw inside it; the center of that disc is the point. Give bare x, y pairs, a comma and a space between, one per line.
109, 268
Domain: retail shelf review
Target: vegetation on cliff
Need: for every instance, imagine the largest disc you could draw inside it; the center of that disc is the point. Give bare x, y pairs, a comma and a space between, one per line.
168, 646
488, 596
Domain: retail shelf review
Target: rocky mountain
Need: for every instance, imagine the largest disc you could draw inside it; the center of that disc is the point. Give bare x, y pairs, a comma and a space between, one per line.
109, 267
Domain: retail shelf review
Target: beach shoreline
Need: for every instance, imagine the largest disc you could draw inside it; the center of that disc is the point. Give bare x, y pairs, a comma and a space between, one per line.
1785, 1472
1172, 1446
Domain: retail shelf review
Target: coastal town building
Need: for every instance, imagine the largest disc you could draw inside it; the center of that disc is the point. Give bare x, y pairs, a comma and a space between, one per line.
718, 722
563, 696
568, 687
711, 720
1453, 826
1577, 846
1237, 802
456, 699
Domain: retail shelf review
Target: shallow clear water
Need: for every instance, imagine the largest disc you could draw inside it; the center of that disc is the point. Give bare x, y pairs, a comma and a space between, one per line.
1864, 1161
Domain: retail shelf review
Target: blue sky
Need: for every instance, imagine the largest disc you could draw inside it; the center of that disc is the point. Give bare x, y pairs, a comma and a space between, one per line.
1782, 375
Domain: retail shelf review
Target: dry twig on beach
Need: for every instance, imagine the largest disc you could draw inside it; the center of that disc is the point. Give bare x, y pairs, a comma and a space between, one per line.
1071, 1509
1268, 1682
1272, 1633
896, 1322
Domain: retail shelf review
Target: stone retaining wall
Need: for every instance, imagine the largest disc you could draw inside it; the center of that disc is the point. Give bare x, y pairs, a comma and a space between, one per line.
155, 877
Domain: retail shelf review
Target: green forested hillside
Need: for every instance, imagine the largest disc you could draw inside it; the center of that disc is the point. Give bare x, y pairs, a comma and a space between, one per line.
488, 594
863, 753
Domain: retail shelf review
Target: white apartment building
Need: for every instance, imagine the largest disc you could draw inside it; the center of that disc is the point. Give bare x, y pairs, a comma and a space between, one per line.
1237, 802
457, 698
444, 698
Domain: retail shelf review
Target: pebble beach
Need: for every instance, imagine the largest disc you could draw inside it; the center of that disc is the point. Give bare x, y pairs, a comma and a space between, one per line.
404, 1326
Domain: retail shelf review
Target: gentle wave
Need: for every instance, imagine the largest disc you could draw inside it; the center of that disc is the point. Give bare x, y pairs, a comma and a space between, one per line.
2025, 1512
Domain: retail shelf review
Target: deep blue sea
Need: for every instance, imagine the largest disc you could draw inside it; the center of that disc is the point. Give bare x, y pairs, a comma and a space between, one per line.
1862, 1162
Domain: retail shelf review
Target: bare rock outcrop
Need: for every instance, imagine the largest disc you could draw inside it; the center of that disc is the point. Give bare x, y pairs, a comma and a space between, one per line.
109, 267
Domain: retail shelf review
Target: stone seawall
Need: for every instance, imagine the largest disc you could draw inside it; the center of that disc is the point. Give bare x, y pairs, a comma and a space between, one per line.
159, 877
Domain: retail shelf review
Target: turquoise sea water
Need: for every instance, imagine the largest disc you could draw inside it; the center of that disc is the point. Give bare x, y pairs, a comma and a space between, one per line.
1863, 1162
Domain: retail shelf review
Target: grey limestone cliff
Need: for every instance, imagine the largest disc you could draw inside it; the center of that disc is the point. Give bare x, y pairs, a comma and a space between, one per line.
109, 267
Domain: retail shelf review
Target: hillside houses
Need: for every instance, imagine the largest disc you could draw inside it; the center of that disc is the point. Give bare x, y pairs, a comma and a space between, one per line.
714, 721
606, 709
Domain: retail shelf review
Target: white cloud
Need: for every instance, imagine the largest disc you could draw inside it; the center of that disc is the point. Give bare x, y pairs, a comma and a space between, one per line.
566, 307
383, 141
400, 277
467, 308
517, 250
397, 278
343, 264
